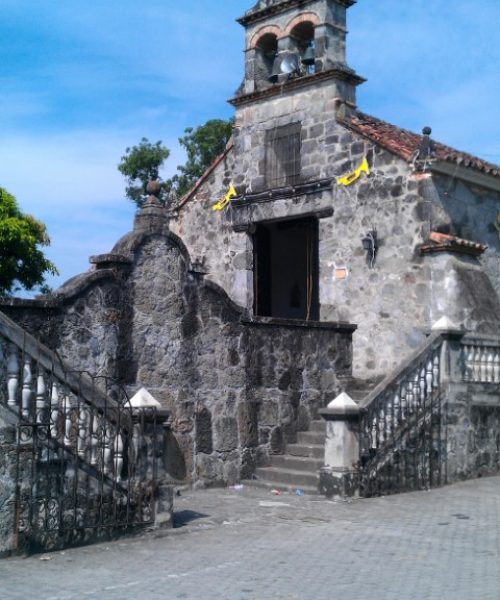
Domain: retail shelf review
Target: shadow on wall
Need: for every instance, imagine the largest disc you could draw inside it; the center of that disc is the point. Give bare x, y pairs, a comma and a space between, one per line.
174, 462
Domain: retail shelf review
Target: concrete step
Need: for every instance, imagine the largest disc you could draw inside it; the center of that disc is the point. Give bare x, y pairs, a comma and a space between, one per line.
318, 426
282, 487
306, 450
290, 477
311, 437
297, 463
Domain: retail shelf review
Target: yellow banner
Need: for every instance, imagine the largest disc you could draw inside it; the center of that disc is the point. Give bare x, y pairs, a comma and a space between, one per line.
353, 176
223, 202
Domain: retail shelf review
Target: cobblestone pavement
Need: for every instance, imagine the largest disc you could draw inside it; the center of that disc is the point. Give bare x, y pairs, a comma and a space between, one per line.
247, 545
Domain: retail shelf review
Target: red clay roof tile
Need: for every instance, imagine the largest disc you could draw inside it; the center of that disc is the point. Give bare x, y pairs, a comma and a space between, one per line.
405, 144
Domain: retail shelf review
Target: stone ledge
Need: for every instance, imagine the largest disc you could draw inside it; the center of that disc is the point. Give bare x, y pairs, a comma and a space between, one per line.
339, 326
278, 89
291, 191
67, 291
104, 261
259, 13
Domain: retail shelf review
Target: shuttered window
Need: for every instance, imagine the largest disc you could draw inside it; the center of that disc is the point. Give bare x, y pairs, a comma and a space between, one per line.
283, 156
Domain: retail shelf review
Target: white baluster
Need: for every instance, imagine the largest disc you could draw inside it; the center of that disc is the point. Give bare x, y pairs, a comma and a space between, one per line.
484, 365
66, 406
374, 435
94, 444
404, 402
416, 389
409, 397
108, 446
428, 377
435, 372
27, 392
489, 365
477, 365
422, 385
118, 450
40, 396
83, 430
381, 426
397, 410
496, 367
12, 376
54, 411
389, 412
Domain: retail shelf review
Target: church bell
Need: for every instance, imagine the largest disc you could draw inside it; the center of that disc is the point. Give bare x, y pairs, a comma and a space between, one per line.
276, 70
309, 56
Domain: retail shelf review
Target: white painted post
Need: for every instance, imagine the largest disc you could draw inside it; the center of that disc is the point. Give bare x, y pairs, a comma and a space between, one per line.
339, 478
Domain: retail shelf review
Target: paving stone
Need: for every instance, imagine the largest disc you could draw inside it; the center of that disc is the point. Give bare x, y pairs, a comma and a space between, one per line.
251, 545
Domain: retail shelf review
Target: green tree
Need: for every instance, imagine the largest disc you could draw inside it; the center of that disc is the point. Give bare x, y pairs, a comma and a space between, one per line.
141, 164
22, 263
202, 146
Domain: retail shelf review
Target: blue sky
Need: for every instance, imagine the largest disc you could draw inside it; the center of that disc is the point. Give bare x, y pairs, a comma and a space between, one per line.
80, 81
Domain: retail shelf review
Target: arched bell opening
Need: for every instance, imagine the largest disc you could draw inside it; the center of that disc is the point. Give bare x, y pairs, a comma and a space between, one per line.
267, 49
302, 42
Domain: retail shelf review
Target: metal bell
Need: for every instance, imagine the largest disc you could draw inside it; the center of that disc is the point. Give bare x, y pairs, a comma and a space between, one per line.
309, 56
276, 70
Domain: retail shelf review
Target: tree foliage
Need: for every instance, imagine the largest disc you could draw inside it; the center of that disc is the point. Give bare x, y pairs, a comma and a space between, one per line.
141, 164
22, 262
202, 146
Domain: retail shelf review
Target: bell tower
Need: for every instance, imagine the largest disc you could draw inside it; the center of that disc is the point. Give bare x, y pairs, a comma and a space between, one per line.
296, 43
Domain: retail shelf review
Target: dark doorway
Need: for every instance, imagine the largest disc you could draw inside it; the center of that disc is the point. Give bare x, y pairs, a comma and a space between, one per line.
286, 269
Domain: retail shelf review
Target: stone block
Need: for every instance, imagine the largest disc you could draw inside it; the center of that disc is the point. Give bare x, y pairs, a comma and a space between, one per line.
277, 441
248, 424
226, 434
339, 484
203, 436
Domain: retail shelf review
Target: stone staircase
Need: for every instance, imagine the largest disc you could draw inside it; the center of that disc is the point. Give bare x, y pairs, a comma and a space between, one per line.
298, 468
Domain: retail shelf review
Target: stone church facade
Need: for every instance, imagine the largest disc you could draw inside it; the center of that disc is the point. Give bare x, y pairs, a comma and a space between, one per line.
346, 240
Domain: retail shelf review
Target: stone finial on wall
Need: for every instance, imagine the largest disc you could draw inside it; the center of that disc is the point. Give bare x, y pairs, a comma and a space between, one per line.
153, 216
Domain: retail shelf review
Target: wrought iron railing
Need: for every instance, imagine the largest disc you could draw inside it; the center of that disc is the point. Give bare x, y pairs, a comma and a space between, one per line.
85, 459
402, 441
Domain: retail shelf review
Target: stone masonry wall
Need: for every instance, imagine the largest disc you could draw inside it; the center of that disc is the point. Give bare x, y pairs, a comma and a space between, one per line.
472, 423
471, 212
81, 322
396, 300
389, 302
8, 541
237, 390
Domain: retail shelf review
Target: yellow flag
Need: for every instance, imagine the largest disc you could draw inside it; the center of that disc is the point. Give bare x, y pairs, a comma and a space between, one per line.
353, 176
223, 202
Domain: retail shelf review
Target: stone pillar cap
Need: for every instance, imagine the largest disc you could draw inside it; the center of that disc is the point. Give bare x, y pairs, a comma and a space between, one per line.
143, 399
343, 402
445, 324
343, 408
